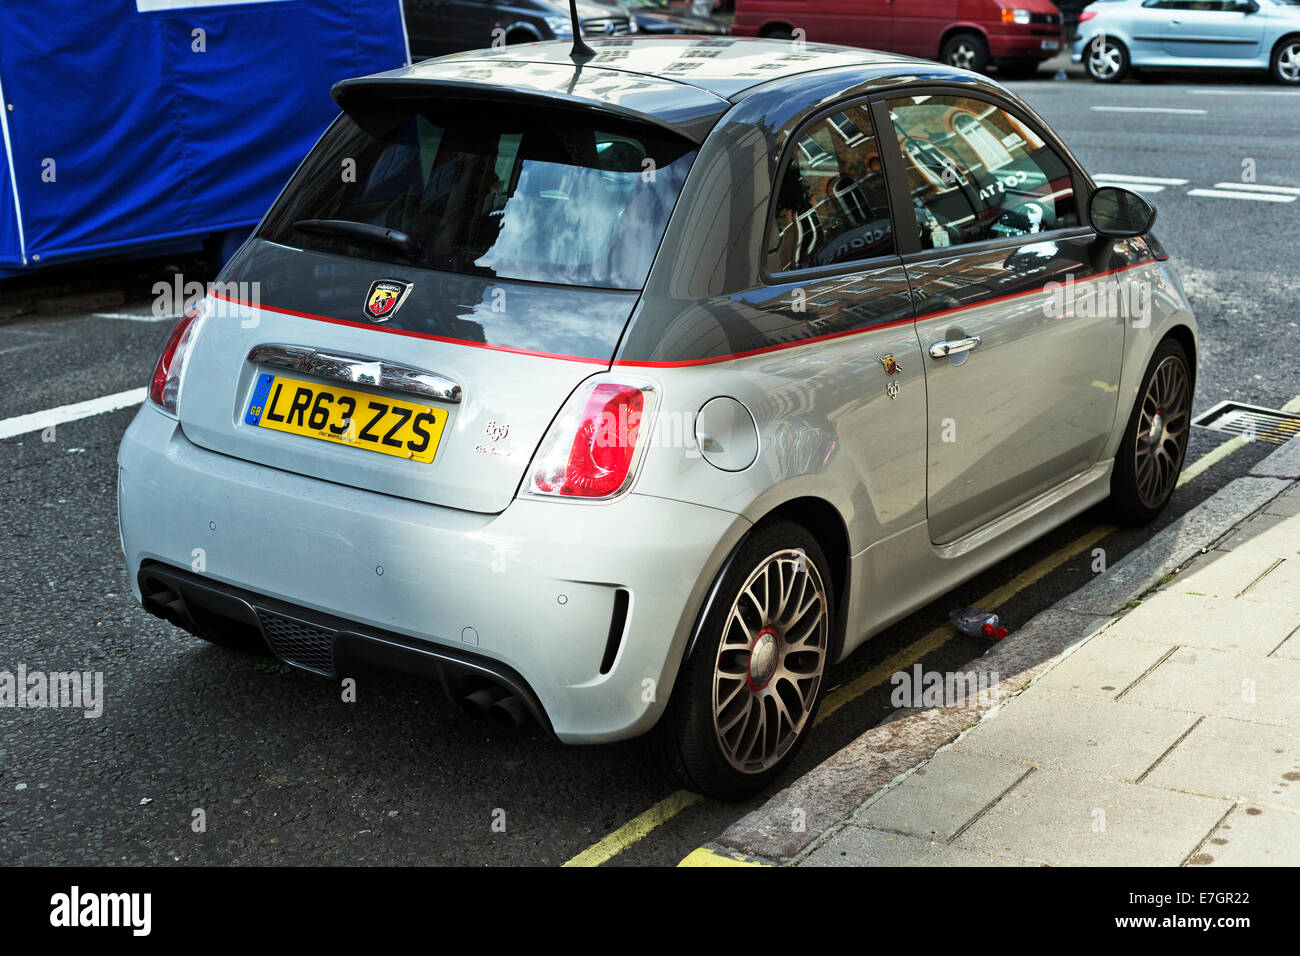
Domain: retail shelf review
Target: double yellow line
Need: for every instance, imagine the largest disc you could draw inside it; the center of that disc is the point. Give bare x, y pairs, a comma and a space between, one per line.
663, 811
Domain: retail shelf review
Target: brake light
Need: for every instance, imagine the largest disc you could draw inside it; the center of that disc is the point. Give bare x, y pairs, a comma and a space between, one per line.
1087, 15
165, 386
593, 448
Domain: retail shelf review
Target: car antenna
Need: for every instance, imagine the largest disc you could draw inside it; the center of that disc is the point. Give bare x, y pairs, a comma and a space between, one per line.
580, 53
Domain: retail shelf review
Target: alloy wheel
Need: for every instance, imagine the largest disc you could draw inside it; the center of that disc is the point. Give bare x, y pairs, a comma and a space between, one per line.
1162, 431
770, 661
1104, 58
1288, 63
962, 55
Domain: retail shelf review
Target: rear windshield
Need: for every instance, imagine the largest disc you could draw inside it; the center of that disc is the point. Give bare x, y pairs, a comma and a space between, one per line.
503, 190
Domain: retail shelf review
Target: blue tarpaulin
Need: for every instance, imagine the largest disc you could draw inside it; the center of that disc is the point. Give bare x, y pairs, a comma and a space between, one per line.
131, 124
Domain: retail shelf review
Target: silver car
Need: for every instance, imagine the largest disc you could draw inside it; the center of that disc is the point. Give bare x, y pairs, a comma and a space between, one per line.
1117, 37
627, 394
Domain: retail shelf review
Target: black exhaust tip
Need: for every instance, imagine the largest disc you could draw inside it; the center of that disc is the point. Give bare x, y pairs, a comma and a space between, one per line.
510, 712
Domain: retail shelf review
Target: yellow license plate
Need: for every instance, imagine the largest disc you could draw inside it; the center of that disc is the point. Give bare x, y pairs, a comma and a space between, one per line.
346, 417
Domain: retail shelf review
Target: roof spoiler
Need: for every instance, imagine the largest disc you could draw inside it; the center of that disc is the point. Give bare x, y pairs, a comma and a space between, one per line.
692, 122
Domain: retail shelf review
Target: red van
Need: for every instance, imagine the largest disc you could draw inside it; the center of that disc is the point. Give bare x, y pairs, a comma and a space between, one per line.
1017, 35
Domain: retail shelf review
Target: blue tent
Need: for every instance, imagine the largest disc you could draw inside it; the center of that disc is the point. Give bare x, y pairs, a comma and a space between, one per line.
151, 125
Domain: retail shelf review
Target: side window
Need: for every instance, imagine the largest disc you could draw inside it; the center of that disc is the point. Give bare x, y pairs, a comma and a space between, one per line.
831, 205
975, 172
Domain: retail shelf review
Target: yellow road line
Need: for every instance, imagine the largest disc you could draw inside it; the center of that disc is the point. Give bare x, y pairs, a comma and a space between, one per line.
1210, 459
665, 810
943, 634
706, 857
635, 829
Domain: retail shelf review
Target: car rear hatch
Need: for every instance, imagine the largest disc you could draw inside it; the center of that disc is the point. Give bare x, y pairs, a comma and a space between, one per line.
440, 274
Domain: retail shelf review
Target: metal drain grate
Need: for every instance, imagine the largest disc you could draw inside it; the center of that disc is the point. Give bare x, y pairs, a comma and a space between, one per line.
1260, 424
298, 643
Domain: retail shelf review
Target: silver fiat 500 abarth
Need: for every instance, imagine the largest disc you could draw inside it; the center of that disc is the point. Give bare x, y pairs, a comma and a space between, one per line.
628, 393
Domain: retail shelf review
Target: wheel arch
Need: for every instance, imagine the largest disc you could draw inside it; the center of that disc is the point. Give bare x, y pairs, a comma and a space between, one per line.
1293, 36
962, 27
774, 26
824, 521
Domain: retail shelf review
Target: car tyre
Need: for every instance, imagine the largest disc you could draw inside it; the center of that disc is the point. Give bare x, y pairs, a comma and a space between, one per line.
1154, 446
966, 51
1106, 59
747, 697
777, 33
1285, 62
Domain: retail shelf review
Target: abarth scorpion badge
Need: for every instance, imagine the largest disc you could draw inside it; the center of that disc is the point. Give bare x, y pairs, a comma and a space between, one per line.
891, 366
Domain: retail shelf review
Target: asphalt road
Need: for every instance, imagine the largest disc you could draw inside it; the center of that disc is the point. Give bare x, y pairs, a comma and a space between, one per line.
285, 772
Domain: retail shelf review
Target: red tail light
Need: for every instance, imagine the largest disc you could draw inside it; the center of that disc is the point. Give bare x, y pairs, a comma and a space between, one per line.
593, 447
1087, 15
165, 386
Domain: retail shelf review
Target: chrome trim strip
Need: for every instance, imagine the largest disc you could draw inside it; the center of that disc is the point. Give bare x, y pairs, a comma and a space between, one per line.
1032, 507
357, 370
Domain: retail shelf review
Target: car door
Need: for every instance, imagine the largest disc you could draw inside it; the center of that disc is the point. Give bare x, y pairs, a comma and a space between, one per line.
1021, 382
1212, 30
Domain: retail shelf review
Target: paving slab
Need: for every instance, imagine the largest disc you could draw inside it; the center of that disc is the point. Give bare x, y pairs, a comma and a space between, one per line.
1243, 687
1192, 619
1253, 836
1069, 819
1236, 760
1063, 732
1290, 648
943, 795
1249, 530
1198, 528
1104, 666
1279, 586
859, 846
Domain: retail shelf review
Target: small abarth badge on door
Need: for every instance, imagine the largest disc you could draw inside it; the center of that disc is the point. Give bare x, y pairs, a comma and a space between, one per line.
385, 298
891, 366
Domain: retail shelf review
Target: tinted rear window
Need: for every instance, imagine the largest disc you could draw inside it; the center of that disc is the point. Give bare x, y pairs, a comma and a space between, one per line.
505, 190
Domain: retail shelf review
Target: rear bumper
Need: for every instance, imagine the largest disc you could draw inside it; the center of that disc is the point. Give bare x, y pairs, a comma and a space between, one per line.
530, 595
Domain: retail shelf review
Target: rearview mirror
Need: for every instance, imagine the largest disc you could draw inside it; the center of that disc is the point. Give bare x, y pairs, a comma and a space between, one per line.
1247, 6
1119, 213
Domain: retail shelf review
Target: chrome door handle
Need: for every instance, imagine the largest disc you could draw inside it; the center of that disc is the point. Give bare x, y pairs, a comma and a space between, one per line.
953, 346
358, 369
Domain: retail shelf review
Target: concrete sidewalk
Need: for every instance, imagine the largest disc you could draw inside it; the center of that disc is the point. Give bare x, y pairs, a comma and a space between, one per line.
1166, 733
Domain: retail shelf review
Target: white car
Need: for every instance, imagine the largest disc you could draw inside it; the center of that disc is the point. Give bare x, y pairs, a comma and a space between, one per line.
1118, 37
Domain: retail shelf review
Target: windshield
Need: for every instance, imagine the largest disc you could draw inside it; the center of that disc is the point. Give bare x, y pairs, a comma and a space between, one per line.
509, 191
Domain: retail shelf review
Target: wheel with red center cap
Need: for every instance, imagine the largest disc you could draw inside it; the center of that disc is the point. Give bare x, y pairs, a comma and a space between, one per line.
1151, 453
747, 696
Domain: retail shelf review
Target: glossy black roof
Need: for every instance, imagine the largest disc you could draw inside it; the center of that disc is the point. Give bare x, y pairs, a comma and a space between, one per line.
681, 82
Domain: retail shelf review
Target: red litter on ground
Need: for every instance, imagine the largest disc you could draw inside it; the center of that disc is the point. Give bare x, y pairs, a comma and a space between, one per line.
973, 622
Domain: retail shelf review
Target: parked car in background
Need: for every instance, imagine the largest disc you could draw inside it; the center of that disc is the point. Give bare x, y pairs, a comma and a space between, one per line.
1016, 35
1117, 37
658, 18
437, 27
631, 455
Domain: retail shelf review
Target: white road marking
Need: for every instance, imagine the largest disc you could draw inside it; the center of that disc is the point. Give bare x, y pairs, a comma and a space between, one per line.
39, 421
1225, 194
1146, 109
1259, 188
1243, 93
130, 317
1158, 180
